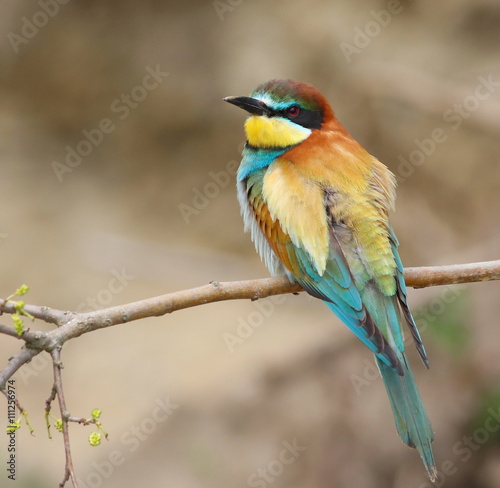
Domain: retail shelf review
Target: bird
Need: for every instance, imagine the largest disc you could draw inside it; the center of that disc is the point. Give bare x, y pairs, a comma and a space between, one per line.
316, 204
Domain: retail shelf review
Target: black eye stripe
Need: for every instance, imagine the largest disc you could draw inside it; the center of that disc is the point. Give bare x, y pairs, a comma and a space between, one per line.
310, 119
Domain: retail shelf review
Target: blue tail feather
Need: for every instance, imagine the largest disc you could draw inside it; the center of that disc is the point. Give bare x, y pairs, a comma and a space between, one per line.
410, 416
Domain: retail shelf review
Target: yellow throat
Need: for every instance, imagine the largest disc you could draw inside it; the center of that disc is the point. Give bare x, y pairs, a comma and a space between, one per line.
265, 131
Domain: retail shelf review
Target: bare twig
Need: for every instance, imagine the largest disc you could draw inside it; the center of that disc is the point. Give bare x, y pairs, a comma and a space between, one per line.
52, 397
69, 470
453, 274
48, 407
24, 356
48, 315
5, 329
82, 420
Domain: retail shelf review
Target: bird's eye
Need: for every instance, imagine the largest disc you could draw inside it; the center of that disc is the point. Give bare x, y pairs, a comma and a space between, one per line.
293, 111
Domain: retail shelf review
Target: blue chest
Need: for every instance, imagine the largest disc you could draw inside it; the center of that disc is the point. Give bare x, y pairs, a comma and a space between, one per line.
256, 159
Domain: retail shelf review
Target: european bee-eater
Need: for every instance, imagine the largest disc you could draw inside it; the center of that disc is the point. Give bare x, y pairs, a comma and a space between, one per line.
316, 204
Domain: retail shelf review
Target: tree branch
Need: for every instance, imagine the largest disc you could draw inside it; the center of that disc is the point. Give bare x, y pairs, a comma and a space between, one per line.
73, 325
453, 274
21, 358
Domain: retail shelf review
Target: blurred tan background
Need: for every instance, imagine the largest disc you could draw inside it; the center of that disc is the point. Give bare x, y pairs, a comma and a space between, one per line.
273, 393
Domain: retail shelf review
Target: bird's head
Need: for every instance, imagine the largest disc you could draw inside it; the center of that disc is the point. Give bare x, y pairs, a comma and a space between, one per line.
283, 113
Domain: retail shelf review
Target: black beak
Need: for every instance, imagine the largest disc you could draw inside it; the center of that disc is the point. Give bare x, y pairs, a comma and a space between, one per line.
251, 105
